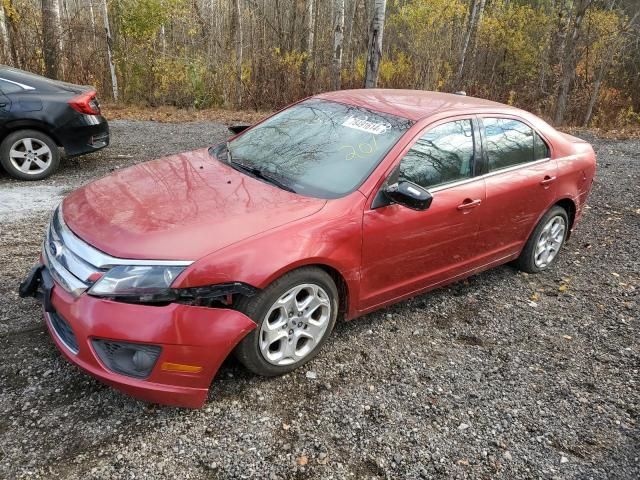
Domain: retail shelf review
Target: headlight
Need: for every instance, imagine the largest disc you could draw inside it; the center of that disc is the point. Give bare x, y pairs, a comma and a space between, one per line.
139, 283
152, 284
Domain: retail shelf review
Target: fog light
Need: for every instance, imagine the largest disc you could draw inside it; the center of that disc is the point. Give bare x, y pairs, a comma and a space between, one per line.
131, 359
143, 361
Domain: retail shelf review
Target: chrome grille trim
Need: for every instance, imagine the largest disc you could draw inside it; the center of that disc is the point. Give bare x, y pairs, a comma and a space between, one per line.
75, 261
95, 257
61, 275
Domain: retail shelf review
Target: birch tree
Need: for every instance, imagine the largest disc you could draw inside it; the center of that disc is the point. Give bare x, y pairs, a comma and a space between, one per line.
5, 48
374, 50
308, 64
477, 8
338, 37
238, 42
112, 67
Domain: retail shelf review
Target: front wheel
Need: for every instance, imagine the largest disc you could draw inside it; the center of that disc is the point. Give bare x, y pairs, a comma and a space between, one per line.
544, 244
295, 316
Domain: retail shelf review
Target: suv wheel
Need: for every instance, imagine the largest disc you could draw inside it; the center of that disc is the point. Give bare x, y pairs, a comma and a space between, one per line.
29, 155
295, 316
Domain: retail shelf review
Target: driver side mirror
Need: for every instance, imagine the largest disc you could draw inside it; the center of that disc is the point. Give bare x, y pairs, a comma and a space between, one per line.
235, 129
409, 195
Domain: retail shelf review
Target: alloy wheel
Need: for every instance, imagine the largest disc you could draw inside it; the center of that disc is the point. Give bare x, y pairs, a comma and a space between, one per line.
30, 156
549, 241
295, 324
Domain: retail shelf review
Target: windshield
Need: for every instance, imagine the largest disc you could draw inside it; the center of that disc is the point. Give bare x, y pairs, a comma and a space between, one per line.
318, 148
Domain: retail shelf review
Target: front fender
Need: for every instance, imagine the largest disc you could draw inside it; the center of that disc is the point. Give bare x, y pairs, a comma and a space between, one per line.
332, 237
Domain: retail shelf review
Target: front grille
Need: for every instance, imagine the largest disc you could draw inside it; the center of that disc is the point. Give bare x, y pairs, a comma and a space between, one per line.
64, 256
63, 331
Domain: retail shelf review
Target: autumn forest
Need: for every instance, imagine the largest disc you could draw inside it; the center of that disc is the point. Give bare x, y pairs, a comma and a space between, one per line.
574, 62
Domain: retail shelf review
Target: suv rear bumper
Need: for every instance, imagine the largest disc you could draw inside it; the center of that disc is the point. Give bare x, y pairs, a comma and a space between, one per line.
188, 335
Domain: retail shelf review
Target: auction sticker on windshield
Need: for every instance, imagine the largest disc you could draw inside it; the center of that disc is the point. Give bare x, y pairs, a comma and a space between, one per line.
365, 125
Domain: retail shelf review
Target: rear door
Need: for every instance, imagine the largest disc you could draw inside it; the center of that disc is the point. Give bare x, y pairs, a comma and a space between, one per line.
404, 250
520, 179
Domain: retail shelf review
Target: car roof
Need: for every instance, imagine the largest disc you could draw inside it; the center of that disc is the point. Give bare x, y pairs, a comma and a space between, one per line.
36, 82
412, 104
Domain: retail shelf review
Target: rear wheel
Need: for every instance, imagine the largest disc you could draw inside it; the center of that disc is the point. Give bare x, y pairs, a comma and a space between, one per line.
29, 155
544, 244
295, 316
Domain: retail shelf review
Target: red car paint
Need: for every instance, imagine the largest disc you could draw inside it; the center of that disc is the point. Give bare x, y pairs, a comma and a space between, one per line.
239, 229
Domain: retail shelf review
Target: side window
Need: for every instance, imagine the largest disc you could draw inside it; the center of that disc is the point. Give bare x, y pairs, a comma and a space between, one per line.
443, 154
540, 148
509, 142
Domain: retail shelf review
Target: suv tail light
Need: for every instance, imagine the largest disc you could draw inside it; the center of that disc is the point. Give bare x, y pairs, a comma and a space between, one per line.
86, 102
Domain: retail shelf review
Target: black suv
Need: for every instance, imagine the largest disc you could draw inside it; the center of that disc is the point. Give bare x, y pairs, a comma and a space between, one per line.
38, 115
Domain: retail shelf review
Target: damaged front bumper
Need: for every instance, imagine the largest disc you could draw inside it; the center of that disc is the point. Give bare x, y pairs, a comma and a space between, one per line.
190, 342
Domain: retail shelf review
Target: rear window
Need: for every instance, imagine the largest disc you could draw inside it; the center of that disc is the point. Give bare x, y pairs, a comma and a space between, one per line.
8, 87
511, 142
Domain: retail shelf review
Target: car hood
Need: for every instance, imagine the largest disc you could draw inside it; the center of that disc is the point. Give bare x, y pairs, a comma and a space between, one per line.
179, 208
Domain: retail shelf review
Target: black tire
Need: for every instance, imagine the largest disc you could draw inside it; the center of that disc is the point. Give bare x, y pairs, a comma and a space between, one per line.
5, 160
526, 261
257, 307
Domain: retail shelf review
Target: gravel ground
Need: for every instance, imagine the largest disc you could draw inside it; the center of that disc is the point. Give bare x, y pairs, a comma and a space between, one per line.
504, 375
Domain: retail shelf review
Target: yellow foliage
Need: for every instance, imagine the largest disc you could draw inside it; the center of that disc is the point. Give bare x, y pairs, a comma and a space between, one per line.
516, 37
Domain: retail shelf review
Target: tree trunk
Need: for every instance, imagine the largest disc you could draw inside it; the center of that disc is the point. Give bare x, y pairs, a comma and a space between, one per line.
308, 63
467, 39
569, 61
6, 48
338, 36
92, 17
52, 38
349, 47
374, 50
112, 67
238, 42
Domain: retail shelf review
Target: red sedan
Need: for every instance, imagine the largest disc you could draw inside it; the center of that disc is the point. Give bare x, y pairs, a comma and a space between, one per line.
331, 208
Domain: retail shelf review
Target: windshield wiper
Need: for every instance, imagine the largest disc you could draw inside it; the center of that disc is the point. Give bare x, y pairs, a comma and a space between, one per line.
258, 173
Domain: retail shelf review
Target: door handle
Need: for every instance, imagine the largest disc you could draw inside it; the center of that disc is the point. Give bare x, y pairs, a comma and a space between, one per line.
547, 180
468, 204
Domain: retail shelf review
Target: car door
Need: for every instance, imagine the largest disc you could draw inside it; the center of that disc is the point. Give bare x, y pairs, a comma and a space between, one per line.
520, 180
405, 250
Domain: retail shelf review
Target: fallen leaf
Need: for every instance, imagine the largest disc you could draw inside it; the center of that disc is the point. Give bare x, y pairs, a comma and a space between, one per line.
567, 337
463, 461
535, 297
615, 274
563, 288
303, 460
